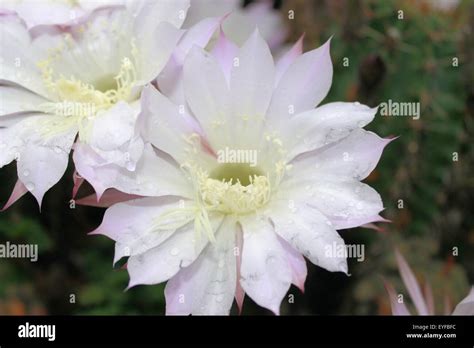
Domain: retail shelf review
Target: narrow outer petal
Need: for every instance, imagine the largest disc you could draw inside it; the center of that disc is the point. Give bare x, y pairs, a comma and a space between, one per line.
265, 273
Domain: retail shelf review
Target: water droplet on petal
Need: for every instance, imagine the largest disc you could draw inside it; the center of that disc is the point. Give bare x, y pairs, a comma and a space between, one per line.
219, 298
174, 251
221, 263
359, 205
26, 172
30, 186
57, 149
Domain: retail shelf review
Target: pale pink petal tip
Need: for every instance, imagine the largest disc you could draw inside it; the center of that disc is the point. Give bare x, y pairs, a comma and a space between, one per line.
78, 181
411, 284
397, 307
18, 191
109, 198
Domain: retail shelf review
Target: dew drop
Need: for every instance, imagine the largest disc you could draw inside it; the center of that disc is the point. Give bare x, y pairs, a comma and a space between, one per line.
221, 263
57, 149
26, 172
30, 186
174, 251
359, 205
219, 298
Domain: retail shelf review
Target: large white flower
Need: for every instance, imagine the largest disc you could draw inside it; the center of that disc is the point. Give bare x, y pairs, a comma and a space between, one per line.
217, 229
85, 81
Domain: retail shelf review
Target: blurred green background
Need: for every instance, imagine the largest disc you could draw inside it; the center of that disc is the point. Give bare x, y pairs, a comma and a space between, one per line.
408, 60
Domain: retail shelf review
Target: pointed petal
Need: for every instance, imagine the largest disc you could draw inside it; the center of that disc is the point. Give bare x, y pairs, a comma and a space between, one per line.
428, 292
304, 84
165, 125
411, 284
18, 191
78, 181
310, 233
397, 307
288, 58
109, 198
144, 181
253, 78
225, 52
207, 94
352, 157
326, 125
133, 224
265, 272
297, 264
42, 162
207, 286
167, 259
239, 291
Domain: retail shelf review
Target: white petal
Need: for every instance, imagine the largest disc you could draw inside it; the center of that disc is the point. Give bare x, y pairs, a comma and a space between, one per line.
132, 224
297, 263
265, 273
15, 99
155, 48
310, 233
353, 157
170, 80
251, 86
208, 96
252, 79
207, 286
324, 125
166, 125
114, 138
19, 57
149, 13
304, 84
164, 261
42, 164
346, 204
153, 175
225, 52
288, 58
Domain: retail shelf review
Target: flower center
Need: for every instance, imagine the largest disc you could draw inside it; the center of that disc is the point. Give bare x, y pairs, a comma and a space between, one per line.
233, 189
80, 101
235, 173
